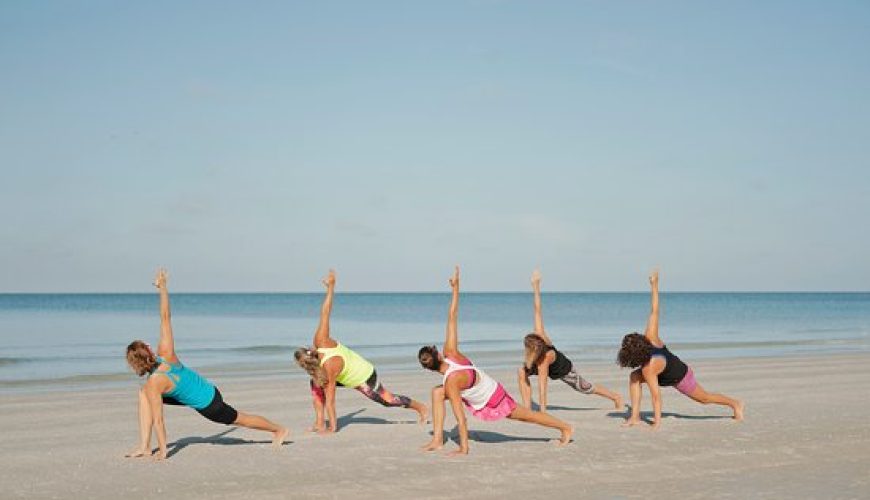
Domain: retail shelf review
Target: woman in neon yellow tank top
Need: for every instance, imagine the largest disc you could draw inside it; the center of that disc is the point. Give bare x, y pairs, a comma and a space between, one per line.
170, 382
331, 364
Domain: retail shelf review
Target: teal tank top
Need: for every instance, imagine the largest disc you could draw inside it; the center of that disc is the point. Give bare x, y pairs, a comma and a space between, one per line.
191, 389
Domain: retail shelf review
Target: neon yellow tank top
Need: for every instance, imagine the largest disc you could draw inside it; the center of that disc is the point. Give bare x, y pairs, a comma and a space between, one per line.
356, 369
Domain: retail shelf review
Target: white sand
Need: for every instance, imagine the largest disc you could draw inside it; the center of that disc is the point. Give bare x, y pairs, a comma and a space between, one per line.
807, 434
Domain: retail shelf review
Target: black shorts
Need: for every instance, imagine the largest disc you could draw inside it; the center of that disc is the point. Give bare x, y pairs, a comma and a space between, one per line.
216, 411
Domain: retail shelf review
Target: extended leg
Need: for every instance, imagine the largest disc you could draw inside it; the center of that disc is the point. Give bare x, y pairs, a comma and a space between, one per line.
263, 424
545, 419
381, 395
606, 393
704, 397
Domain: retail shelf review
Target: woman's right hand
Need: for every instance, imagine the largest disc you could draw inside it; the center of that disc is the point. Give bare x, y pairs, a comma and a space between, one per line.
654, 277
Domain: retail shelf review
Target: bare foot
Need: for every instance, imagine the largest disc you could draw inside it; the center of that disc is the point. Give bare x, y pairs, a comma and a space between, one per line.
279, 437
618, 403
566, 436
432, 446
631, 422
456, 453
423, 414
137, 453
738, 411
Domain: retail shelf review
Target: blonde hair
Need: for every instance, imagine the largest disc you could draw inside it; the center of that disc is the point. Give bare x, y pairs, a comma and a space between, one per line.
308, 360
536, 348
141, 358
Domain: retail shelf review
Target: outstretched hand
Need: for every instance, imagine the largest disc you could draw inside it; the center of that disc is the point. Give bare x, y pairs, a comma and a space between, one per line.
654, 277
329, 280
161, 278
454, 281
536, 277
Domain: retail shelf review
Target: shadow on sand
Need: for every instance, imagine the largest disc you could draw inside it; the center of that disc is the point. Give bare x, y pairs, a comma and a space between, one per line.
352, 418
647, 416
218, 439
492, 437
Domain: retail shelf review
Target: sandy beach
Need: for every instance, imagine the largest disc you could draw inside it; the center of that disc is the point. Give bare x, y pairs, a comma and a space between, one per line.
806, 435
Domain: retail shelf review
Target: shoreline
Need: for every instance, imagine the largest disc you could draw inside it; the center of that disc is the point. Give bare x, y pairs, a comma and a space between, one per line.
491, 361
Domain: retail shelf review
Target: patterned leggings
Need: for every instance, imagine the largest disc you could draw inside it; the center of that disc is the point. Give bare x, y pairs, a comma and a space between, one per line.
371, 389
578, 383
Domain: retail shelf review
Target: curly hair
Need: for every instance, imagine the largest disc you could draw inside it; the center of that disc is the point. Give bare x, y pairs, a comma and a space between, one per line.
428, 357
636, 351
141, 358
308, 360
536, 349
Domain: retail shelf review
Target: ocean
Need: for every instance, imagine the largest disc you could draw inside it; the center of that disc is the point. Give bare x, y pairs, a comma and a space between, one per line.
71, 341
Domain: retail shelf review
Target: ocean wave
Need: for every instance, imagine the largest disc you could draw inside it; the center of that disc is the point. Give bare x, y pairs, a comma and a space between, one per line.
5, 361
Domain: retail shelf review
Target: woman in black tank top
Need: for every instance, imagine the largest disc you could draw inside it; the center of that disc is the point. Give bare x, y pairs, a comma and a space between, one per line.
657, 367
544, 360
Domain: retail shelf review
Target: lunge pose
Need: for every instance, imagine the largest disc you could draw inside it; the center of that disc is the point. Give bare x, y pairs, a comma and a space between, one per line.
331, 364
170, 382
658, 367
544, 360
465, 384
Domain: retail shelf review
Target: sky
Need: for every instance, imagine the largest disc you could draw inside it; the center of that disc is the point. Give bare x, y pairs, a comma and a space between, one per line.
250, 146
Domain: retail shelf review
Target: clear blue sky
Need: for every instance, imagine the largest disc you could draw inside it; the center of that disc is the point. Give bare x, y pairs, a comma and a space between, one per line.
252, 145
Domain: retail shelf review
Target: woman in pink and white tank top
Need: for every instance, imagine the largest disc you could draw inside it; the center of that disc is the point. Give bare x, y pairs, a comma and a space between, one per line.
463, 384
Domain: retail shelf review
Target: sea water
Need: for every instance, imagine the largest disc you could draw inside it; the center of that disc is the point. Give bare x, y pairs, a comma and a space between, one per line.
78, 340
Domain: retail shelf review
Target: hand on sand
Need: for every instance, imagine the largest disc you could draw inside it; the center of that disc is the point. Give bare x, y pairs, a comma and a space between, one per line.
137, 453
536, 277
454, 281
329, 280
160, 278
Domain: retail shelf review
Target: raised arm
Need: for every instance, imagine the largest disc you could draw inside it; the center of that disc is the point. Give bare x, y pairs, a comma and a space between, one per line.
539, 316
321, 336
652, 324
166, 346
451, 344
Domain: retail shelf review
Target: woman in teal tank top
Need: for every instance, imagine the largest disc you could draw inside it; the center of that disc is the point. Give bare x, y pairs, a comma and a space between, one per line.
331, 364
170, 382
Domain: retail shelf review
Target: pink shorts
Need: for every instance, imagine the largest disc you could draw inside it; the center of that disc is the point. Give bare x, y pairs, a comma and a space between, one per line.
499, 406
688, 384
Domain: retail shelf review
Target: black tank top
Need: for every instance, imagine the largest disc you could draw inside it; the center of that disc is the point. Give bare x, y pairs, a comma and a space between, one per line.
674, 370
559, 368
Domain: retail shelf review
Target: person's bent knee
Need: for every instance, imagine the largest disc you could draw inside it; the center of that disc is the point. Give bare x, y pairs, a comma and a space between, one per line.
438, 391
